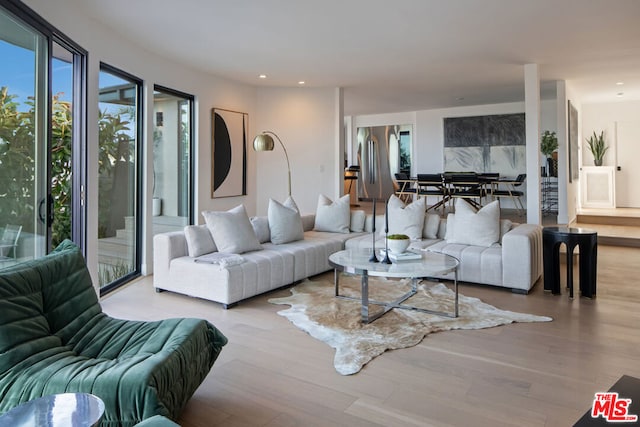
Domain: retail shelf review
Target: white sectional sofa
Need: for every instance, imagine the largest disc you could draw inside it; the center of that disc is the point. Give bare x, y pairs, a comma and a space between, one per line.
515, 262
261, 271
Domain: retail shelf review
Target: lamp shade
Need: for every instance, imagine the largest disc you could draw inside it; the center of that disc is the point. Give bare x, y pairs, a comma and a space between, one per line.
263, 142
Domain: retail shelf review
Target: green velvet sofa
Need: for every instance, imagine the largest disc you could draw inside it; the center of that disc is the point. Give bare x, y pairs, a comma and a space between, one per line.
54, 338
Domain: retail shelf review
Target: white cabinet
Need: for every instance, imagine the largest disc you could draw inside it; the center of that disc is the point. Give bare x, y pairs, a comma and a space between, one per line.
598, 187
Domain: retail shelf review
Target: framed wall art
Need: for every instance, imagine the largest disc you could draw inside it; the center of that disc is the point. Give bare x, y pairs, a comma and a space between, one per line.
228, 153
574, 169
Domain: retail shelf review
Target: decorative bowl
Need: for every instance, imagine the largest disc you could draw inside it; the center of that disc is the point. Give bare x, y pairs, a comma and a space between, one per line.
398, 246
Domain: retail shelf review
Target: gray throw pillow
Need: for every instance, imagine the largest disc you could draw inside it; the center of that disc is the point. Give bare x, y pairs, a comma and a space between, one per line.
199, 240
480, 228
331, 216
260, 226
232, 231
285, 223
406, 219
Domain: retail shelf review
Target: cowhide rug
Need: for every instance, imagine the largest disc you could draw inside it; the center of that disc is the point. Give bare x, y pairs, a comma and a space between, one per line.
315, 310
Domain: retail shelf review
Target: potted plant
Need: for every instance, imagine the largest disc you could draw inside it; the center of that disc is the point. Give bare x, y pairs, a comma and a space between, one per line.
548, 147
548, 143
398, 243
597, 147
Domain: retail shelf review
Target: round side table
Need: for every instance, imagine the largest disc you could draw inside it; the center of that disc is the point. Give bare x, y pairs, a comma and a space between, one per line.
56, 410
587, 241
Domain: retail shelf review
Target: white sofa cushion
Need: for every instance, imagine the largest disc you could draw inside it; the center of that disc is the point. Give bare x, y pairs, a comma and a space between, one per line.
431, 226
480, 228
358, 218
333, 216
199, 240
285, 223
232, 231
260, 226
406, 219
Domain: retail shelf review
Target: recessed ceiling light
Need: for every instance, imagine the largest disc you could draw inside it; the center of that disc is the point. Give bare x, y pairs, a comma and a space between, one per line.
262, 76
619, 83
301, 82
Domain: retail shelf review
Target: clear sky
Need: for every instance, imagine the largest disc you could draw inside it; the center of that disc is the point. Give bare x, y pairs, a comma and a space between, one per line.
17, 73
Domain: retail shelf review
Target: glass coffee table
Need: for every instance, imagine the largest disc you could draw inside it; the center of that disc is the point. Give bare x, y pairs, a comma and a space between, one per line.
56, 410
356, 261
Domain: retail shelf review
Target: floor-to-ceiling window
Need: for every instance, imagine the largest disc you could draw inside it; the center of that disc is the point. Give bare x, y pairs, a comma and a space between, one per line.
119, 186
172, 160
41, 136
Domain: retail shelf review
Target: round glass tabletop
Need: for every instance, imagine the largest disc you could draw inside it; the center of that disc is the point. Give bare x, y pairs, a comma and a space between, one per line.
429, 264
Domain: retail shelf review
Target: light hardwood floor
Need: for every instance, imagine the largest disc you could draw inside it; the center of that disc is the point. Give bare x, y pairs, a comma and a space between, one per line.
539, 374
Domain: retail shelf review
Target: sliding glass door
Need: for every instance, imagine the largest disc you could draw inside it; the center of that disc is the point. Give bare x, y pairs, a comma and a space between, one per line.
40, 138
119, 186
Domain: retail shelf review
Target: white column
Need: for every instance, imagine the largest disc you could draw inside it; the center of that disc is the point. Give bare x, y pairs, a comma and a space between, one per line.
563, 151
532, 132
339, 140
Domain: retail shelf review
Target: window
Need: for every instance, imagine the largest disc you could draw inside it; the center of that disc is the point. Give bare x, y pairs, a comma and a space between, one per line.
119, 172
172, 160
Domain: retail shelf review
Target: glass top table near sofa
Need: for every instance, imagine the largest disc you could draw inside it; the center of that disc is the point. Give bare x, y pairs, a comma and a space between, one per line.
356, 261
56, 410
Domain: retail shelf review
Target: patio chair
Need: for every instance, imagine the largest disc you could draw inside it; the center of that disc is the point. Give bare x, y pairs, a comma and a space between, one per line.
9, 241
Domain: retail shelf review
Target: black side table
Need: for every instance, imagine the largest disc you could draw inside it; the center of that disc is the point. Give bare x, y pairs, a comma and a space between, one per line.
587, 241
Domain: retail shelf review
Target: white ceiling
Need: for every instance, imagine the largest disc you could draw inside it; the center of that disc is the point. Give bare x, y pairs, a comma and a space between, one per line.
400, 55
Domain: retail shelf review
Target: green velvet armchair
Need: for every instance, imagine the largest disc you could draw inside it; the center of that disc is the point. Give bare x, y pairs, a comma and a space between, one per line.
54, 338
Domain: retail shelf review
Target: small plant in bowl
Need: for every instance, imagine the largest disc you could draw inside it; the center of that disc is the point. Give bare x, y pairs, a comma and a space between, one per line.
398, 243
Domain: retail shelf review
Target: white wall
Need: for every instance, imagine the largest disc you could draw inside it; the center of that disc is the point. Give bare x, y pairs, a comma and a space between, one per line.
602, 117
210, 91
572, 188
305, 121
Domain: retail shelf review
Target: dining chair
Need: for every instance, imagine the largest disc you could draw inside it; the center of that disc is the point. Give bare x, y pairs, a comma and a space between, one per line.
466, 186
431, 184
511, 192
405, 189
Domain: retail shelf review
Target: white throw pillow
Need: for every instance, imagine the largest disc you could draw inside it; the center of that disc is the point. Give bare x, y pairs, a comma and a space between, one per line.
285, 224
357, 221
199, 240
260, 226
232, 231
431, 226
480, 228
331, 216
505, 226
406, 219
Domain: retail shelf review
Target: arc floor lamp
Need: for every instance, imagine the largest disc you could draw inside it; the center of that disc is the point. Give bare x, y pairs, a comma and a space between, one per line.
264, 142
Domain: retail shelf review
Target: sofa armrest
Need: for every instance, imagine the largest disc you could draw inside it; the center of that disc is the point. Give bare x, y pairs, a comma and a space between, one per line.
167, 246
522, 256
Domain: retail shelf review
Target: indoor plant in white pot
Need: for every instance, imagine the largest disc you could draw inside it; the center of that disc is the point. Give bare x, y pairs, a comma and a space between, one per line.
598, 147
398, 243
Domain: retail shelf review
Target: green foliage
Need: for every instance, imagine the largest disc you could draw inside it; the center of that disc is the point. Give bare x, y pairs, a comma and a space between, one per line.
116, 145
397, 237
61, 171
548, 143
108, 273
18, 203
598, 147
17, 162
